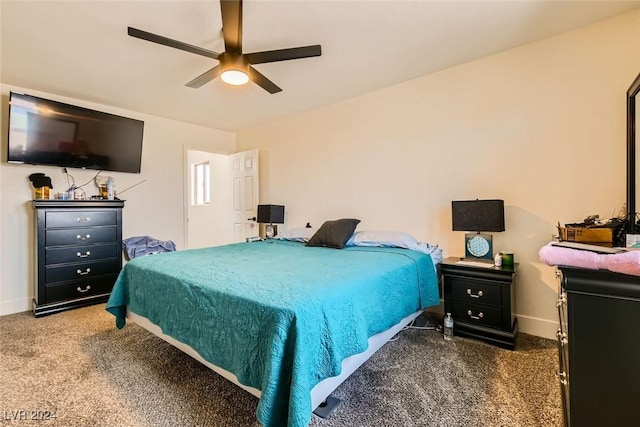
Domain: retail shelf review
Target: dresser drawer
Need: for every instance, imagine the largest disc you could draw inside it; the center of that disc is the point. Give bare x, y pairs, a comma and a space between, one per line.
65, 254
476, 291
477, 314
81, 236
84, 270
83, 218
78, 252
79, 289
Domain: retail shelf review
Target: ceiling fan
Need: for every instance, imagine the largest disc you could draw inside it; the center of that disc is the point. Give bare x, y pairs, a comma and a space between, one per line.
235, 67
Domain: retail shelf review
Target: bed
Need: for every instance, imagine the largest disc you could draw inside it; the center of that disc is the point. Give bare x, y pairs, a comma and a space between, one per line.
286, 322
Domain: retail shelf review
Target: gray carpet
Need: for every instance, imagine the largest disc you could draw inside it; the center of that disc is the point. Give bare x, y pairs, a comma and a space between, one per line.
79, 365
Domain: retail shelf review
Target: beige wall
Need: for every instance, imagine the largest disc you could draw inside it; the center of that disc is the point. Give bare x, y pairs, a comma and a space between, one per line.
155, 207
541, 126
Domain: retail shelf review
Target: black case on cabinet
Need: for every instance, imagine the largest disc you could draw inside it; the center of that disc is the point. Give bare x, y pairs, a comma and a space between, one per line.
78, 252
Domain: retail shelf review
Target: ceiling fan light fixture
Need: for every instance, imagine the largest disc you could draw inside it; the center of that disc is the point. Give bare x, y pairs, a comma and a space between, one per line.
234, 77
235, 68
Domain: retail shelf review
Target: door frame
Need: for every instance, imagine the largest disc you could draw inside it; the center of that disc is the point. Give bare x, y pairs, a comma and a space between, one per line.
186, 191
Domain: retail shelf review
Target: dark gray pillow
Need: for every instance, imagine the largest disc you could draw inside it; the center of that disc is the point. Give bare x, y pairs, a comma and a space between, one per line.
334, 234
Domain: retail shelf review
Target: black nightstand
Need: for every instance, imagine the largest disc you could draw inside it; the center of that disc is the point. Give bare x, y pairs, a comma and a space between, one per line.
481, 301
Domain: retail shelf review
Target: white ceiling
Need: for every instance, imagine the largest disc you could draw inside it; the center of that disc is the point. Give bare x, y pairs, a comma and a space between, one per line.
80, 49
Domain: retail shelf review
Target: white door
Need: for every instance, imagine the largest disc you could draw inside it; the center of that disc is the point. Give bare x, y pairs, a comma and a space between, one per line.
209, 220
244, 167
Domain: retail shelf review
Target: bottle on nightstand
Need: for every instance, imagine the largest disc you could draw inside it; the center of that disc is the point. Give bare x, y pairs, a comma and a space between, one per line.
448, 327
497, 260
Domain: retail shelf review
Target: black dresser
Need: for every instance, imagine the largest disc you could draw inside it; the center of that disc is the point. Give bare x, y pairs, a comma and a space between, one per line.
599, 347
78, 252
481, 301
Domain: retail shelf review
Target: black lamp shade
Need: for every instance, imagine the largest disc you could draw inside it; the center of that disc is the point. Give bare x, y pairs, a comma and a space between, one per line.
477, 215
271, 214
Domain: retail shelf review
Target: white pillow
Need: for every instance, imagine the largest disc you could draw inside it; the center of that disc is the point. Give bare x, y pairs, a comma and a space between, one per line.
301, 234
394, 239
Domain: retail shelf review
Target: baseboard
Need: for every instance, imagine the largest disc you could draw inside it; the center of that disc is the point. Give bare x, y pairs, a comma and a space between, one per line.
15, 306
538, 327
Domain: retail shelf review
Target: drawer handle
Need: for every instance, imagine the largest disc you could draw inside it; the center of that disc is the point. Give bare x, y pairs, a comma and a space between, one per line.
478, 317
79, 237
87, 219
562, 376
478, 295
562, 337
86, 254
79, 289
83, 273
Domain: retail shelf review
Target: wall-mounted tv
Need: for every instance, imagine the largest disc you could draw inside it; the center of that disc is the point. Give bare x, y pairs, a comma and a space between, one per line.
46, 132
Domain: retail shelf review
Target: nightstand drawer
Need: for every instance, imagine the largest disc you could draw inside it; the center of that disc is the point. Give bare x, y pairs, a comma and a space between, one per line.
476, 291
81, 253
84, 218
81, 236
79, 289
78, 271
477, 315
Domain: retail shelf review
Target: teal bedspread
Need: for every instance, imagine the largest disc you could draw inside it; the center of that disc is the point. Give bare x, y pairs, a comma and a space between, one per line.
277, 314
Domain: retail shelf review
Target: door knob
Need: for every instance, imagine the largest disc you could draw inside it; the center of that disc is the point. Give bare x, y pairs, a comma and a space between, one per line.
252, 219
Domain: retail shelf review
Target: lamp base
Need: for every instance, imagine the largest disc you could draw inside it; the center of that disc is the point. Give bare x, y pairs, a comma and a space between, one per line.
474, 259
270, 231
478, 246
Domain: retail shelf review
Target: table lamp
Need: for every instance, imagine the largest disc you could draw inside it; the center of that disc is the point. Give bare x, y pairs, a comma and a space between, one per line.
271, 214
478, 215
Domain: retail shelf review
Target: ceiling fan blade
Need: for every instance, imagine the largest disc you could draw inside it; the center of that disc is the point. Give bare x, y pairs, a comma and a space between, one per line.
231, 11
259, 79
284, 54
205, 77
144, 35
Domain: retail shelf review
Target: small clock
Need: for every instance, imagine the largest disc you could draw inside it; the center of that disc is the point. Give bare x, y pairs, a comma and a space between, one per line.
478, 246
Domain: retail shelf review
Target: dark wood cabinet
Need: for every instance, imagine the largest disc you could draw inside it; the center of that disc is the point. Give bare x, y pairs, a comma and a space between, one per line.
78, 252
481, 301
598, 348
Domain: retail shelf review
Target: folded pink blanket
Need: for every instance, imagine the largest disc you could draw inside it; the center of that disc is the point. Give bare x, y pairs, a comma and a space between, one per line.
627, 262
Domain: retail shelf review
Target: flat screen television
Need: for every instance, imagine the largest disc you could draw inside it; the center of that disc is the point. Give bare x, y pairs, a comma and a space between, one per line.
46, 132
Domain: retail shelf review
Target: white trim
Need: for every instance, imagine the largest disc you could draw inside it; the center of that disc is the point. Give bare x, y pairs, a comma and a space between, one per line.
320, 392
15, 306
536, 326
186, 171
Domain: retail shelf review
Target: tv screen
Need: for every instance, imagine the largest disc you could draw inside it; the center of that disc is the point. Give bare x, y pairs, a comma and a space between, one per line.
46, 132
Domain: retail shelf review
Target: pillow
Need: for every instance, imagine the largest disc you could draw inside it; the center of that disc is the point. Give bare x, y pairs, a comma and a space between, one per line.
296, 234
334, 234
394, 239
434, 251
